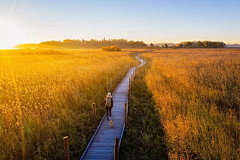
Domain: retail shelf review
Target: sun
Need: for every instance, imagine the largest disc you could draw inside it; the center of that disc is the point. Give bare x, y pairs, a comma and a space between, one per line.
11, 35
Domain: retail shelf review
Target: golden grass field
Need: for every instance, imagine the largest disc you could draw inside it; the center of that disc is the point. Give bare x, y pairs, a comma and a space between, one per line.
197, 92
48, 94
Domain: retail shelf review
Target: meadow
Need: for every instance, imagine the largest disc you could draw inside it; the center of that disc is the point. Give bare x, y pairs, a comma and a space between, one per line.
48, 94
197, 92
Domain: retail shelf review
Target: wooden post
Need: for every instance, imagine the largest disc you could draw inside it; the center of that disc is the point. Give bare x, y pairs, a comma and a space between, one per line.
131, 78
129, 89
129, 86
126, 112
111, 85
116, 79
66, 146
94, 115
128, 109
116, 149
108, 88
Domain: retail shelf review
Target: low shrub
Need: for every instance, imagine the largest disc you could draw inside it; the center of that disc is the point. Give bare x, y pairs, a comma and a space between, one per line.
111, 48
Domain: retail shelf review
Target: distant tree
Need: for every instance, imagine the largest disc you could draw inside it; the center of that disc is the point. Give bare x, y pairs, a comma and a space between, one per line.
162, 46
166, 45
200, 44
179, 45
189, 44
206, 43
151, 45
214, 45
221, 45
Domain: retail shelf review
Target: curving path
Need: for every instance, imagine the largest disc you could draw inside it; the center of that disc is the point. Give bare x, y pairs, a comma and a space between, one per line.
101, 146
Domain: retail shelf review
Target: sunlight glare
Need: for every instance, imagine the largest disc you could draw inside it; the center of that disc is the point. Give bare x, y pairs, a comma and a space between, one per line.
10, 35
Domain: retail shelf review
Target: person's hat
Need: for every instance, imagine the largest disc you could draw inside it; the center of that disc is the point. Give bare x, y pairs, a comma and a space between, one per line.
109, 95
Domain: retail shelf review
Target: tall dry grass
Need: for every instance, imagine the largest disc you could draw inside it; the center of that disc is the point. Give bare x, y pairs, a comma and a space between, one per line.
198, 95
47, 94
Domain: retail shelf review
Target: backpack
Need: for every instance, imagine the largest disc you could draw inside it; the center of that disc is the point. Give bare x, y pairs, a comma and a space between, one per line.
108, 102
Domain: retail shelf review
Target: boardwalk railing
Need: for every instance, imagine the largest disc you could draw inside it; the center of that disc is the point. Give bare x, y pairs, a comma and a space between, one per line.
106, 141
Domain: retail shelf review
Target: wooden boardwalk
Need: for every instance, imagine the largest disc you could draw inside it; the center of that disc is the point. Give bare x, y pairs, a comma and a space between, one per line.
101, 146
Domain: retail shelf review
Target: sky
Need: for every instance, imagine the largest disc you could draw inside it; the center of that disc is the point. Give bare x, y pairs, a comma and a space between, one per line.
156, 21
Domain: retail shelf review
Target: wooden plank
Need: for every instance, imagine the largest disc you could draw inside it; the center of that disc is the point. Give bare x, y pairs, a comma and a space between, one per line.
99, 148
99, 156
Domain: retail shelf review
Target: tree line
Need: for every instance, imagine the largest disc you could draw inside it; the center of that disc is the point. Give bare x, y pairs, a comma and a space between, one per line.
201, 44
93, 43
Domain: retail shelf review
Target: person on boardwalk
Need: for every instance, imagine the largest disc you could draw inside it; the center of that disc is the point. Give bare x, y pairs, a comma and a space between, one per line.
109, 104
